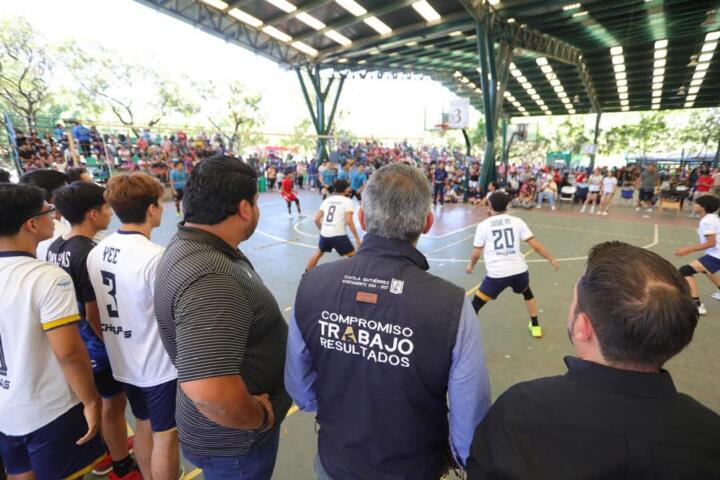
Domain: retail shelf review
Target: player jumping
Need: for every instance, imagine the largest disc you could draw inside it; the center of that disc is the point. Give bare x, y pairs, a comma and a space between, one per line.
498, 239
336, 212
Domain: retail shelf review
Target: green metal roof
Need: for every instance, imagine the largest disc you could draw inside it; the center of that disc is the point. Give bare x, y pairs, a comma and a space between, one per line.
575, 37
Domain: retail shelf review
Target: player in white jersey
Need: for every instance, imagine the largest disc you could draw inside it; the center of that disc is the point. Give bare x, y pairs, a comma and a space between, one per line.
49, 180
594, 184
708, 231
334, 215
498, 240
50, 410
122, 270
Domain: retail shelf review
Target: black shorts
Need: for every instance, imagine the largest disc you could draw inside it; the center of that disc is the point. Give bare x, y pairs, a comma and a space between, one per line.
492, 287
178, 195
340, 244
646, 195
106, 385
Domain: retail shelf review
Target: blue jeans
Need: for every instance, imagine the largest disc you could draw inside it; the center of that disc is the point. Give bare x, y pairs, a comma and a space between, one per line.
320, 472
257, 464
549, 196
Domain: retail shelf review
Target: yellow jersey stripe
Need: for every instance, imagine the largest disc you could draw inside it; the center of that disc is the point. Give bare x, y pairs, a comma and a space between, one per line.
61, 321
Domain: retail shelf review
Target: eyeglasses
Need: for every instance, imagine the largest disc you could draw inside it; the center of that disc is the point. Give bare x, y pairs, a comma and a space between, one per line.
50, 210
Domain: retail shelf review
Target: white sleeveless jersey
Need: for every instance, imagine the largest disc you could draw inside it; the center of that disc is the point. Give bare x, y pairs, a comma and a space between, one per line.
122, 270
334, 209
36, 297
500, 237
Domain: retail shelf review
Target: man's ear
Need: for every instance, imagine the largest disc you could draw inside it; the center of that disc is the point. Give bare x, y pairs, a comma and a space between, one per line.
361, 218
429, 220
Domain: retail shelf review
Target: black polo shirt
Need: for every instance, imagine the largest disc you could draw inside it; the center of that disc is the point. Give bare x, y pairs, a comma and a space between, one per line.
597, 422
217, 317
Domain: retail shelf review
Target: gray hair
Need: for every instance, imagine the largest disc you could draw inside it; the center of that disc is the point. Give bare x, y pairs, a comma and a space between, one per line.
396, 202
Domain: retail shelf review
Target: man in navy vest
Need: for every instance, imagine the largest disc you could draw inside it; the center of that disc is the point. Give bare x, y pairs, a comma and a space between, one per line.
378, 347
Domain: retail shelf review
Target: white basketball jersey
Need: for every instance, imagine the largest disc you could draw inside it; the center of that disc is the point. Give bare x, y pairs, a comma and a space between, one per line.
36, 297
710, 225
500, 237
334, 209
122, 270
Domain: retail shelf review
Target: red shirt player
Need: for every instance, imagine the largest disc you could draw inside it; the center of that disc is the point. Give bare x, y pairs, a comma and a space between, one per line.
289, 195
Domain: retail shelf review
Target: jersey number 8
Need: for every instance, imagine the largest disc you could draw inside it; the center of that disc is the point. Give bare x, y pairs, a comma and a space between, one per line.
331, 214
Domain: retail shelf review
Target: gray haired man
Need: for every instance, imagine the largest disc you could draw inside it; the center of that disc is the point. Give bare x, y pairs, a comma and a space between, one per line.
378, 347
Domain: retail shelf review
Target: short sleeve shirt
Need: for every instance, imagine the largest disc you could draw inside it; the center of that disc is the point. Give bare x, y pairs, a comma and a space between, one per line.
71, 256
334, 209
36, 297
499, 236
648, 180
609, 184
710, 225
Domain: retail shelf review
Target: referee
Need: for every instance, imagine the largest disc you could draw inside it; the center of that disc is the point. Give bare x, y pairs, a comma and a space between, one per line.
222, 328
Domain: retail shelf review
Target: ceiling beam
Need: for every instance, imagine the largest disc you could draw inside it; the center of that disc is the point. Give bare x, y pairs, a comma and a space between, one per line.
304, 7
347, 20
532, 40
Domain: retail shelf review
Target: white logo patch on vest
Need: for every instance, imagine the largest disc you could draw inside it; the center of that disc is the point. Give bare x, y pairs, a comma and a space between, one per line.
396, 286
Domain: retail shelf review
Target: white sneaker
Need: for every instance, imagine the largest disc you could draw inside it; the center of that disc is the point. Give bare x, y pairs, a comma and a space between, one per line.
701, 309
582, 210
290, 216
553, 208
637, 209
650, 210
539, 206
604, 213
716, 295
599, 213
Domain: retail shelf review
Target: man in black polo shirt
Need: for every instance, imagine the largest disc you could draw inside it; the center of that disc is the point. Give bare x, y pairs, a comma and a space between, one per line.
222, 328
616, 413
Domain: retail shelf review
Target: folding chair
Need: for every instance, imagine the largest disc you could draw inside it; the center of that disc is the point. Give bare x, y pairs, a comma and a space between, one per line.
567, 194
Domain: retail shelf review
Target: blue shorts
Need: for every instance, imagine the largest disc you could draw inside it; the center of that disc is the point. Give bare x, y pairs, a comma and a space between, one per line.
492, 287
50, 451
340, 244
106, 385
711, 264
154, 403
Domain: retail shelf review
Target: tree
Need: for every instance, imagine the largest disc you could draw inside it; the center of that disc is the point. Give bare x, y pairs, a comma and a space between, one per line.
236, 116
702, 131
25, 68
477, 134
136, 94
302, 137
649, 134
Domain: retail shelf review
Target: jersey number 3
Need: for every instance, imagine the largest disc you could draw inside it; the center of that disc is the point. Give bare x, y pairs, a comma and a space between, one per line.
503, 239
108, 279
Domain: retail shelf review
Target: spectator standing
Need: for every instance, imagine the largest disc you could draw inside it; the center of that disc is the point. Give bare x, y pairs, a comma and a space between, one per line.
410, 339
594, 183
439, 178
646, 183
49, 181
51, 410
222, 328
616, 412
609, 185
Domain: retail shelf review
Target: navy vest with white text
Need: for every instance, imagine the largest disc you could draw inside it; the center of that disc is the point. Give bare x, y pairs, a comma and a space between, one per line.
380, 331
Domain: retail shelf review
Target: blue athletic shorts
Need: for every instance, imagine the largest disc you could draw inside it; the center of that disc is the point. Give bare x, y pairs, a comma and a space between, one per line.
492, 287
340, 244
106, 385
154, 403
711, 264
50, 451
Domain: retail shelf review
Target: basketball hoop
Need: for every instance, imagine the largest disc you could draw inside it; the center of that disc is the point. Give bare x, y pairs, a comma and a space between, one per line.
442, 126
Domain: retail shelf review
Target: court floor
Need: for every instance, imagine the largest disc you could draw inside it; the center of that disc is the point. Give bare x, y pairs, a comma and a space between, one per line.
280, 248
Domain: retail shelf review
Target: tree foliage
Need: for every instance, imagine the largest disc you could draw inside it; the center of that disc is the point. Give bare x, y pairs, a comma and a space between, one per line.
25, 70
648, 135
301, 137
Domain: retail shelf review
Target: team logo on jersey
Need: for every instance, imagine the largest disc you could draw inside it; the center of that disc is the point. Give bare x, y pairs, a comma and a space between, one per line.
396, 286
64, 283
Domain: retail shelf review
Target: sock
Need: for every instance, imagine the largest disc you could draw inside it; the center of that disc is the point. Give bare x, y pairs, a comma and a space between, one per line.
123, 467
697, 301
478, 303
534, 321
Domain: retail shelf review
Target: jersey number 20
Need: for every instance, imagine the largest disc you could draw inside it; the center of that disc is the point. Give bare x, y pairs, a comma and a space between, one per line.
108, 279
503, 239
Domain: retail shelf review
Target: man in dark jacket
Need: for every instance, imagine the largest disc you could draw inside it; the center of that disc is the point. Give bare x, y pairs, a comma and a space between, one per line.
381, 349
